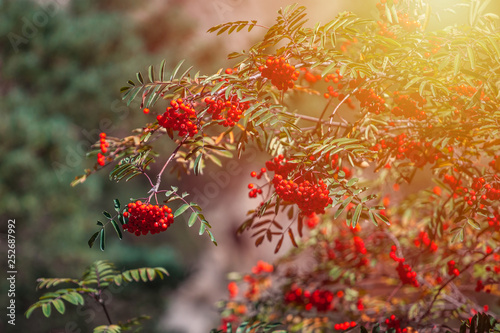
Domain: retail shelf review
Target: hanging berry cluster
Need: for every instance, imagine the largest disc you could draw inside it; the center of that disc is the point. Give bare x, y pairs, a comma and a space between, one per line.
144, 218
262, 267
394, 324
370, 100
280, 72
180, 117
344, 326
452, 270
452, 181
229, 111
423, 239
304, 191
335, 92
405, 272
494, 221
408, 106
353, 253
404, 20
320, 299
101, 159
419, 152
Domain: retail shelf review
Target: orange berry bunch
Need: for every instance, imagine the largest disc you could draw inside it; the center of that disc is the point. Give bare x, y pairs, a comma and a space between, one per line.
370, 100
405, 272
232, 287
280, 72
320, 299
179, 117
101, 159
418, 152
229, 111
452, 270
404, 20
310, 195
395, 325
254, 191
312, 220
452, 181
310, 77
144, 218
494, 221
406, 105
423, 238
354, 253
335, 78
262, 266
344, 326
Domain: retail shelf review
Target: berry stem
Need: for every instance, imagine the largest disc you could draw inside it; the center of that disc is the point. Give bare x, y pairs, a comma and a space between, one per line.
338, 106
156, 186
105, 311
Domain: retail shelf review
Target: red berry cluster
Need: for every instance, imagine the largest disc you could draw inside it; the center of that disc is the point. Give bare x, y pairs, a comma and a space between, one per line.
309, 195
452, 270
344, 326
384, 31
101, 159
418, 152
408, 106
347, 43
232, 287
144, 218
370, 100
452, 181
230, 111
461, 98
494, 221
490, 192
280, 72
335, 79
479, 286
262, 266
354, 253
320, 299
394, 323
404, 20
310, 77
406, 274
254, 191
436, 43
423, 238
312, 220
180, 117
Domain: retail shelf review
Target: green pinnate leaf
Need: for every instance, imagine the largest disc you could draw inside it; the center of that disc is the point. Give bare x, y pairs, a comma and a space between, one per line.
46, 309
181, 210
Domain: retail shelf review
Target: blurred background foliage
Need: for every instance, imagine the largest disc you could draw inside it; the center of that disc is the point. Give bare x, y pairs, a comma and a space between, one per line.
61, 66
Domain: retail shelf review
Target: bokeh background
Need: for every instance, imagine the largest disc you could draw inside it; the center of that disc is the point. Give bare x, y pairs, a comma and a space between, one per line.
62, 63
